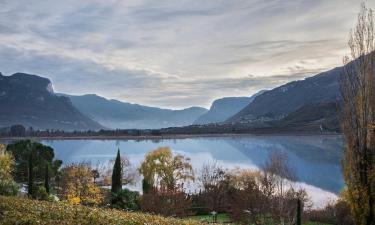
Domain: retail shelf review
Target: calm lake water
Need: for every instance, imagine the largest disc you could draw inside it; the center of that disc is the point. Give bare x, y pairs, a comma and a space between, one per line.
314, 159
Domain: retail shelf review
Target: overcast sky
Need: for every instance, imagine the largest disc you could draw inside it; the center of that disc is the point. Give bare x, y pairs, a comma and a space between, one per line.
175, 53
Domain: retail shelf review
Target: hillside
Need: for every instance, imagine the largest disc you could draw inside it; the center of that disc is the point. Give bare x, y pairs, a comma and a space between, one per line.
222, 109
325, 115
116, 114
29, 100
25, 211
279, 102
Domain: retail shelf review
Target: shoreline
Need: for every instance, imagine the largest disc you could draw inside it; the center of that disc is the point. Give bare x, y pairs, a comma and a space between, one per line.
166, 137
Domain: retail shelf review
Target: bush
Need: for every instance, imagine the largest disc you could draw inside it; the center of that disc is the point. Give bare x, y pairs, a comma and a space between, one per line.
41, 193
15, 210
125, 199
8, 188
167, 202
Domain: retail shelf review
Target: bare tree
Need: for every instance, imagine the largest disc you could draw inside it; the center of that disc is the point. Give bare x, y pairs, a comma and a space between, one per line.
129, 173
277, 183
358, 119
214, 184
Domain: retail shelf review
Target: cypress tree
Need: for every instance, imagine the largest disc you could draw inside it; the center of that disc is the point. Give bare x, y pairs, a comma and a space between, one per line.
117, 174
299, 212
30, 181
46, 179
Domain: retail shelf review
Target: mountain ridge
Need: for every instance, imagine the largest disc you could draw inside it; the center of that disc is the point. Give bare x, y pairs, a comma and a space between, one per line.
223, 108
30, 100
277, 103
123, 115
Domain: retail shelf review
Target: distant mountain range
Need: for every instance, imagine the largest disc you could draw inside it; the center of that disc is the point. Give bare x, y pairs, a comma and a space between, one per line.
281, 101
224, 108
29, 100
116, 114
311, 104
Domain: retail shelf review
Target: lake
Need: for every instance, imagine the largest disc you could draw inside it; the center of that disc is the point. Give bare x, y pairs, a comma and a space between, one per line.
314, 159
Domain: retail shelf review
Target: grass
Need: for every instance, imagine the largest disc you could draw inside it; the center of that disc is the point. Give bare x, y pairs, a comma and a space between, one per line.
221, 218
315, 223
15, 210
224, 218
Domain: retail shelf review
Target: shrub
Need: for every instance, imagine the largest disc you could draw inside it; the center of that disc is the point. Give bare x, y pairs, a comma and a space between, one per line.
15, 210
8, 188
125, 199
41, 193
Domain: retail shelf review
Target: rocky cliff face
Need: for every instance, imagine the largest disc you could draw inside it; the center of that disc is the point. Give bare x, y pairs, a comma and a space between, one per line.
29, 100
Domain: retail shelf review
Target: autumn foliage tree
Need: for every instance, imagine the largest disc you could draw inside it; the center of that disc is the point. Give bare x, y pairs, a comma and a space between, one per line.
77, 185
163, 169
358, 120
165, 173
7, 163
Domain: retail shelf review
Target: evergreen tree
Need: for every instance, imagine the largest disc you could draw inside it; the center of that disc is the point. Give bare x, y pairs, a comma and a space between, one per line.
30, 181
117, 174
46, 179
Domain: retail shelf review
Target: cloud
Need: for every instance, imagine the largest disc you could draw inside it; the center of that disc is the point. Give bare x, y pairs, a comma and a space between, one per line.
173, 53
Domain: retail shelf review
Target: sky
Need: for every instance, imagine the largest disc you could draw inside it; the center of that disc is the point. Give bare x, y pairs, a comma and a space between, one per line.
173, 54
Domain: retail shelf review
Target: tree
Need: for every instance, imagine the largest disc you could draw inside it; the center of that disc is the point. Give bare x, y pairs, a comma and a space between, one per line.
7, 185
163, 169
17, 130
166, 202
358, 120
40, 154
46, 179
214, 182
277, 186
164, 176
30, 181
117, 174
77, 185
247, 199
105, 170
6, 164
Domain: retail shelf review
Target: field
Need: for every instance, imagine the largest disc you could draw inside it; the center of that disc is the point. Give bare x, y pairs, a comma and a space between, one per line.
15, 210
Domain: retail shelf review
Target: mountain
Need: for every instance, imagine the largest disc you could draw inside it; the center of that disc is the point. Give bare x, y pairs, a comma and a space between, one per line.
323, 116
29, 100
116, 114
222, 109
281, 101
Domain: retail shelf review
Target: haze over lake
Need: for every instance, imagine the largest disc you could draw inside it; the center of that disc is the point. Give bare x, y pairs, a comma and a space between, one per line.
315, 160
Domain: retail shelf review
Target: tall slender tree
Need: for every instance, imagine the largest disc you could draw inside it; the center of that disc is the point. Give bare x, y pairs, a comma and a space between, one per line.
117, 174
30, 182
358, 121
46, 179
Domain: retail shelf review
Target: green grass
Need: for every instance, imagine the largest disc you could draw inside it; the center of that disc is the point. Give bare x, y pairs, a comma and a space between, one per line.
221, 218
224, 218
315, 223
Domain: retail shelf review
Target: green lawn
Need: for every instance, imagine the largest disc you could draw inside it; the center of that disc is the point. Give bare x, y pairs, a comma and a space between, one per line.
221, 218
224, 218
315, 223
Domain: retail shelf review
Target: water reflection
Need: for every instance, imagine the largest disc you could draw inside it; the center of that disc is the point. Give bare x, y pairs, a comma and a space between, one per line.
314, 159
